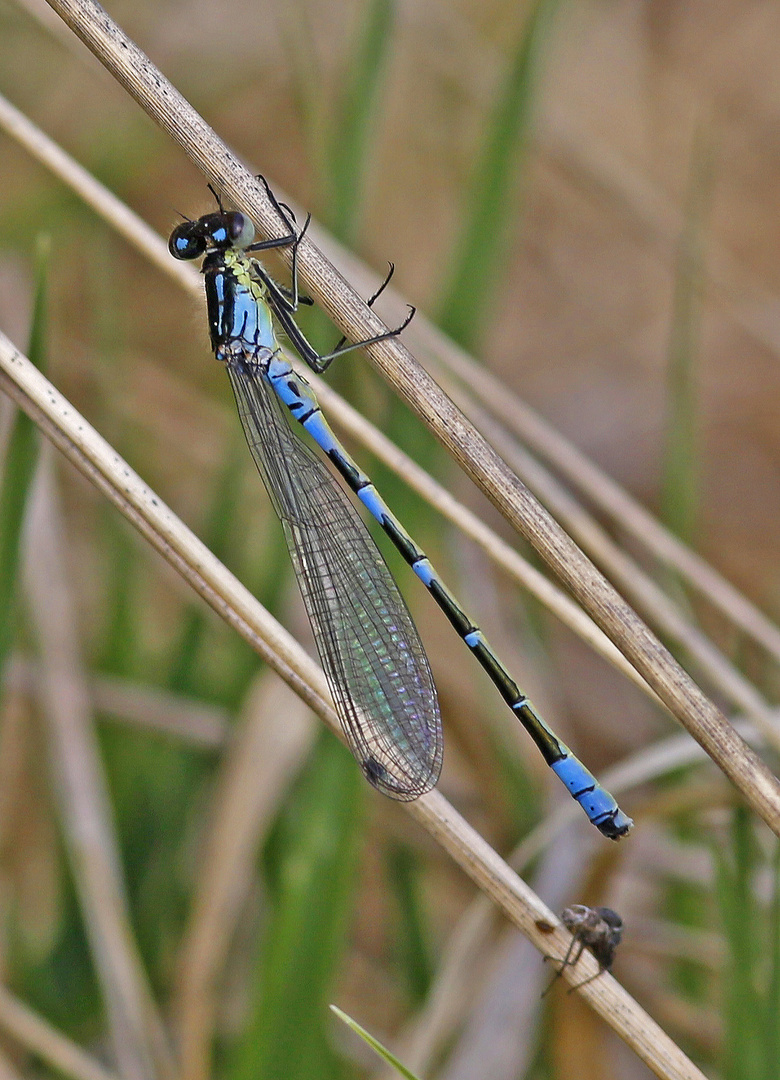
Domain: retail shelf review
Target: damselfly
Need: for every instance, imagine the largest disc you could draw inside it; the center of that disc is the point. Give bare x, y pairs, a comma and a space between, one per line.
372, 656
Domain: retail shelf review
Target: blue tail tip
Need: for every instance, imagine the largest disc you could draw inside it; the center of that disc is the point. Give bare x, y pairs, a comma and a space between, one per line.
615, 825
598, 804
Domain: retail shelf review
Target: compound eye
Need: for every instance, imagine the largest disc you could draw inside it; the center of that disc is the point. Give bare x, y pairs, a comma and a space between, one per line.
187, 241
240, 228
214, 230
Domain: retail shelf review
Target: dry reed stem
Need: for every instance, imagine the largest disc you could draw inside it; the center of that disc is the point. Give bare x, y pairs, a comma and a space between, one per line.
114, 477
42, 1040
674, 686
136, 1029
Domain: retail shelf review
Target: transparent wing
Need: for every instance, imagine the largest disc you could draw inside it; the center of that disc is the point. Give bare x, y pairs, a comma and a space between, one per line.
370, 650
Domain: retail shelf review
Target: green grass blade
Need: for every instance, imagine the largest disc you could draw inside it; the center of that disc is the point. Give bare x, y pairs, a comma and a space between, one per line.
416, 960
679, 489
20, 462
339, 145
772, 1010
341, 168
356, 121
375, 1045
490, 208
221, 670
306, 81
40, 313
119, 647
742, 1009
311, 879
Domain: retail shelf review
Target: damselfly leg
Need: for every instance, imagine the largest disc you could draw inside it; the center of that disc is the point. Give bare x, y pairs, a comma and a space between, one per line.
285, 301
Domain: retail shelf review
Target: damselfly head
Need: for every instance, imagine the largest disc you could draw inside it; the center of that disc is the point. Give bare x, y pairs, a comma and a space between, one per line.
213, 232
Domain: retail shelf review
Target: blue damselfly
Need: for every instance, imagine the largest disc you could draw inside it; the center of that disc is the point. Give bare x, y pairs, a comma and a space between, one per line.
373, 659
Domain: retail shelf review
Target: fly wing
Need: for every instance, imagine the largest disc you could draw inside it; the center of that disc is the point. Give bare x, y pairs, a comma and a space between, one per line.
370, 650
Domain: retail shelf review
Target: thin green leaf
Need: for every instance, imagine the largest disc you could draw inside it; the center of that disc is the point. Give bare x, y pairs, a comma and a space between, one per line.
185, 675
772, 1011
679, 489
307, 80
343, 167
20, 462
375, 1045
490, 208
414, 936
119, 646
743, 1008
312, 886
356, 120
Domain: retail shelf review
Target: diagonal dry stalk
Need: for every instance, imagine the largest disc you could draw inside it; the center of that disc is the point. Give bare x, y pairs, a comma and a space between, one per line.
29, 1030
673, 685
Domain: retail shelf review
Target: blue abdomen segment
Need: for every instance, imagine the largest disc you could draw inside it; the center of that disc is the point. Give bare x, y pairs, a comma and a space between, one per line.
597, 803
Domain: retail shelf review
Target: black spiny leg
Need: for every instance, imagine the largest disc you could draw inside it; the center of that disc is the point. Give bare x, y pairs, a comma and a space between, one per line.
284, 310
370, 303
284, 302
